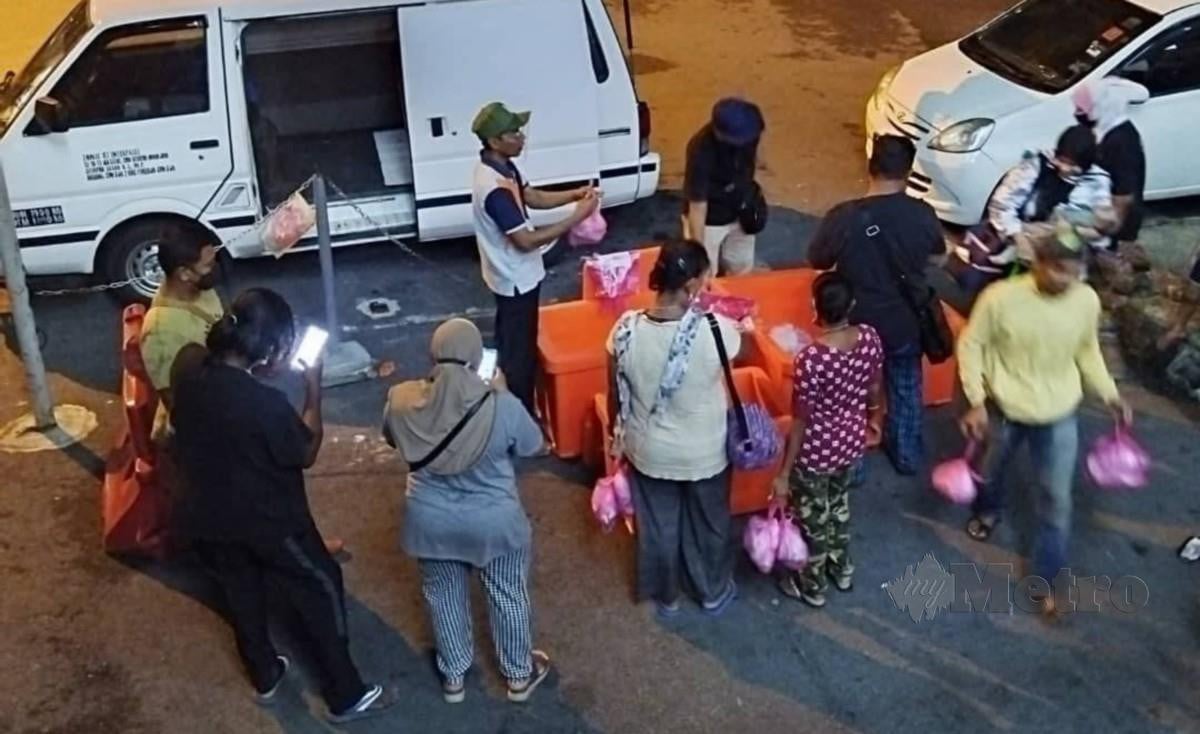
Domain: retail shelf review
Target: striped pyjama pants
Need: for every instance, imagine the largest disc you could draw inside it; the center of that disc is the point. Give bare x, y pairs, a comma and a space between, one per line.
505, 580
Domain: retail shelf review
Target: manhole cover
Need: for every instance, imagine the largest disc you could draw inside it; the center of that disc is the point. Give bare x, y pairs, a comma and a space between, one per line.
74, 424
378, 308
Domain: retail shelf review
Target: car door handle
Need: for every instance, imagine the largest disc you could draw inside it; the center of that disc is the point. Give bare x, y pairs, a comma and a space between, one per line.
437, 126
205, 144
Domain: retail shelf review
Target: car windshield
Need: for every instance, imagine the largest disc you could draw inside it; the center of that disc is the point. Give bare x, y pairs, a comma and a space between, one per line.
17, 87
1049, 45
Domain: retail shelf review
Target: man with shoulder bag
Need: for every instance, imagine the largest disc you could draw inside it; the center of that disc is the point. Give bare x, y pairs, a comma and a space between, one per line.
725, 208
882, 243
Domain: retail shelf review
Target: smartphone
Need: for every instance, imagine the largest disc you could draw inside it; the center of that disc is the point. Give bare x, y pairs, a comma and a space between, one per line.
310, 348
487, 365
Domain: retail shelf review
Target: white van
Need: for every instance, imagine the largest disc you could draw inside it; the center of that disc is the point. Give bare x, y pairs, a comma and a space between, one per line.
975, 106
137, 112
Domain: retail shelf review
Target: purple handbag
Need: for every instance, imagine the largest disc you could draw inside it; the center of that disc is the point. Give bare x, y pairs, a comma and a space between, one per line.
754, 442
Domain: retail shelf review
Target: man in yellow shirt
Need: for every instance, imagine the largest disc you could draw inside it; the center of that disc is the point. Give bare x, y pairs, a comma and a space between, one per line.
182, 312
1025, 358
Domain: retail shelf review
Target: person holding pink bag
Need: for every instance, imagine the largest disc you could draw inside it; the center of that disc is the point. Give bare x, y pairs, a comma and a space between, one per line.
837, 383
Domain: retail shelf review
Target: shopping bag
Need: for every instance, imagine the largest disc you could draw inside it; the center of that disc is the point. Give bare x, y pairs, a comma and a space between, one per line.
792, 552
1117, 461
285, 226
761, 539
955, 480
590, 231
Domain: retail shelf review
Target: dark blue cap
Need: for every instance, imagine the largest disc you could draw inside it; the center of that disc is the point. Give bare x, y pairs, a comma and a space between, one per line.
737, 121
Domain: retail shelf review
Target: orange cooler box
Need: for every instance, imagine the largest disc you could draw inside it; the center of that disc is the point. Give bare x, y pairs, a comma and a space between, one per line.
785, 297
751, 490
573, 367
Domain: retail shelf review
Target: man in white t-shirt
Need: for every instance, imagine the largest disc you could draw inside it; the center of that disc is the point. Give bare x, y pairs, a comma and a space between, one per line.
509, 245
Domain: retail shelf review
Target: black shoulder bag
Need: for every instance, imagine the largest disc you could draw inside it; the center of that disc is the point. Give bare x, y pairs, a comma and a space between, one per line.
417, 466
937, 341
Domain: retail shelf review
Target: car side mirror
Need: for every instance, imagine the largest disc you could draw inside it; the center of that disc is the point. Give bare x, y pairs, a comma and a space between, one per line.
1138, 71
49, 116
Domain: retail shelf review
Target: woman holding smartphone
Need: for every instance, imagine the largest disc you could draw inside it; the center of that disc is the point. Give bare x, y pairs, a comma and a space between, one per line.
460, 433
243, 450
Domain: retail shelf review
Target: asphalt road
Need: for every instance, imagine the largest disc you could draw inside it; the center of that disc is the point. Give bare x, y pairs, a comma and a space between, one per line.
91, 644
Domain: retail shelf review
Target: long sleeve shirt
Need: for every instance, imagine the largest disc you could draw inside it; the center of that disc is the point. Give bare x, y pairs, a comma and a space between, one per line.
1033, 354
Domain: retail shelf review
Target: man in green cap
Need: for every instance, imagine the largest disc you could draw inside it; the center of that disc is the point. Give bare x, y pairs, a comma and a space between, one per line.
509, 245
1025, 358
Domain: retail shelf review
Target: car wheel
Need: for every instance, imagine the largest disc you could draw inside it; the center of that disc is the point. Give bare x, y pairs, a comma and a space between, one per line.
129, 255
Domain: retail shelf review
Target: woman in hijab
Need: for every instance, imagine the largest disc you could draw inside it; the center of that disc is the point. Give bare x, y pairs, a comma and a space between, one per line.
459, 436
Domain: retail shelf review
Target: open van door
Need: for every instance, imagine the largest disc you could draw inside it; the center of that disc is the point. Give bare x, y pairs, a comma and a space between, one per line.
530, 55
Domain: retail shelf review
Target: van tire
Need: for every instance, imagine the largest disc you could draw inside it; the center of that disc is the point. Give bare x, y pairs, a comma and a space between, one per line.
129, 252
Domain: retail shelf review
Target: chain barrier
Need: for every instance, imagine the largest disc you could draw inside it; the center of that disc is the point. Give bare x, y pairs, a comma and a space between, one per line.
252, 231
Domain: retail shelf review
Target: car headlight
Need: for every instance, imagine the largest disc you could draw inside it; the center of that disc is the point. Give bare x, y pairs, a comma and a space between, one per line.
964, 137
885, 83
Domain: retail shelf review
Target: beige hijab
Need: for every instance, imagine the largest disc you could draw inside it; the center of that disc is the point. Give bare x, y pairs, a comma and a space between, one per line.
421, 413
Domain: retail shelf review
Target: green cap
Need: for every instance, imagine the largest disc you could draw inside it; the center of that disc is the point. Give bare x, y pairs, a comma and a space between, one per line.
495, 120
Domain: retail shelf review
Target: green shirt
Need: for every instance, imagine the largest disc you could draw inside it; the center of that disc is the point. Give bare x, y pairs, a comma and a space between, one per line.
169, 326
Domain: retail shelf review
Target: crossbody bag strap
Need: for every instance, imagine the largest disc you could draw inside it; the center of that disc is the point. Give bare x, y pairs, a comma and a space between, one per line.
449, 438
738, 409
872, 230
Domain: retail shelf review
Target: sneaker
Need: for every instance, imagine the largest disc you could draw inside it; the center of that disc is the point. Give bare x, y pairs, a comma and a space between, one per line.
454, 692
815, 599
267, 696
794, 590
373, 703
718, 606
520, 691
842, 581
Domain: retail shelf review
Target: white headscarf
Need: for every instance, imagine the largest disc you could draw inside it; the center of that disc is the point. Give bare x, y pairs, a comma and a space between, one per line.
1106, 102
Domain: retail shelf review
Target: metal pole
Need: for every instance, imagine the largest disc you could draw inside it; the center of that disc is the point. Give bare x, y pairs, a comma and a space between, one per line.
325, 242
628, 26
22, 313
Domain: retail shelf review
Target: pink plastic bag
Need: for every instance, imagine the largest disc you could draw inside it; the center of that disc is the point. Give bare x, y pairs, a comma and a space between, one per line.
1116, 461
623, 492
761, 539
955, 479
735, 308
615, 276
604, 504
792, 552
590, 231
284, 227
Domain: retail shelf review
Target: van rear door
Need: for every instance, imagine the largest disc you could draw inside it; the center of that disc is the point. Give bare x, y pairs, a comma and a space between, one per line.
457, 57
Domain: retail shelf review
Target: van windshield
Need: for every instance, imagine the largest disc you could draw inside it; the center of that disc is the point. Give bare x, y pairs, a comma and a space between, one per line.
16, 88
1049, 45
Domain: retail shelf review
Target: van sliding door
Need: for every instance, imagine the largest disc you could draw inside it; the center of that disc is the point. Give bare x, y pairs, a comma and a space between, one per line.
458, 57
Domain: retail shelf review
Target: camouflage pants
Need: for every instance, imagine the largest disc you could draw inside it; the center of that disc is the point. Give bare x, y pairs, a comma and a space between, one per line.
821, 506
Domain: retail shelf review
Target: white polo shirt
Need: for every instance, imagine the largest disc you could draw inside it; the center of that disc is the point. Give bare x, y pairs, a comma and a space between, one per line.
499, 210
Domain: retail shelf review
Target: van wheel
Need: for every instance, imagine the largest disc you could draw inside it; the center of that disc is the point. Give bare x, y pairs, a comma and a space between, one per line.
130, 255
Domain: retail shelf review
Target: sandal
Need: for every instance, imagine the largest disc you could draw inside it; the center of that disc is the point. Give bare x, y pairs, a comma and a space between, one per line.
980, 527
792, 590
520, 691
667, 611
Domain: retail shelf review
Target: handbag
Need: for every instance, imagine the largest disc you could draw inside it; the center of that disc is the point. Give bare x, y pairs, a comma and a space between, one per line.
752, 214
753, 440
937, 341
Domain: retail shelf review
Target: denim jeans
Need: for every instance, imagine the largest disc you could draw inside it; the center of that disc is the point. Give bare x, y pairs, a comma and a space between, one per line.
1053, 449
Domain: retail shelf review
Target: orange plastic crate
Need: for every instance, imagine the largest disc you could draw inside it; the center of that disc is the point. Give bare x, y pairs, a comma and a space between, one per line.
751, 491
785, 297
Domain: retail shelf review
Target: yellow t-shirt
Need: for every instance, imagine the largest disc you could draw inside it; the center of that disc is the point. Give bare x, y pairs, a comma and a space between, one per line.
1033, 354
169, 326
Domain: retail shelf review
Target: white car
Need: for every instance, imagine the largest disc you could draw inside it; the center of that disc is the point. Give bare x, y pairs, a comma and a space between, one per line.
973, 107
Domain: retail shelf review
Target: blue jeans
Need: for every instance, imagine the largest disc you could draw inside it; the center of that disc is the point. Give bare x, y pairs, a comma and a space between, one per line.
1053, 449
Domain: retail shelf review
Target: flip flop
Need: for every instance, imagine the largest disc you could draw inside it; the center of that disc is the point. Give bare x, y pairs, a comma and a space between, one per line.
541, 669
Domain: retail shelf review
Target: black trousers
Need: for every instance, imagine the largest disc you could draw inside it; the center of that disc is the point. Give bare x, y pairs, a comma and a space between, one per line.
683, 528
516, 341
300, 571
